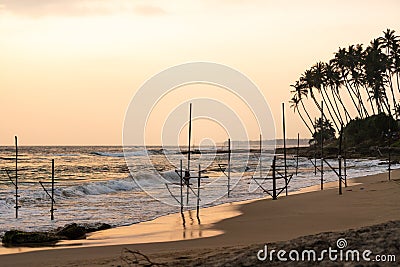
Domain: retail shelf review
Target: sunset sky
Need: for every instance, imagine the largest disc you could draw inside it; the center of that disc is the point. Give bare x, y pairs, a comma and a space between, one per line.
69, 69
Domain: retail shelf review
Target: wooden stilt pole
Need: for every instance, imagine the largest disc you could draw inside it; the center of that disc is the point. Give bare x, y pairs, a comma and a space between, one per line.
274, 196
284, 147
198, 194
181, 176
16, 178
190, 135
315, 153
52, 190
188, 161
340, 161
390, 143
229, 167
322, 145
344, 161
297, 152
260, 145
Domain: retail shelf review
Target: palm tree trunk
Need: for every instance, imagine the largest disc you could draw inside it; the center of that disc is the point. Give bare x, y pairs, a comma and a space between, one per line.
333, 108
361, 101
391, 89
347, 115
305, 110
370, 100
316, 103
387, 104
352, 99
358, 95
304, 121
329, 110
337, 107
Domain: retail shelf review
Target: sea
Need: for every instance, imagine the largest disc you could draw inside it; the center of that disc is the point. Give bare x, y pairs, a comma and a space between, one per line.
103, 184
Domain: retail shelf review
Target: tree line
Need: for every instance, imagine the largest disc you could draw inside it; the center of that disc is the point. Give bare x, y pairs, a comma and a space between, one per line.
367, 77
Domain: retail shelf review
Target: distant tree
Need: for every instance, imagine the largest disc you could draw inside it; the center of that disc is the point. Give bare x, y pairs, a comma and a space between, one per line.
323, 129
369, 131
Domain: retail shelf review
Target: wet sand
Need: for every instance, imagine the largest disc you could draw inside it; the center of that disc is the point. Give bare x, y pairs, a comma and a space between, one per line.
367, 201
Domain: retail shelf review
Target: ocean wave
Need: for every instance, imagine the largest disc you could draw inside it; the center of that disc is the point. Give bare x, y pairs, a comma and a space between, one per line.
98, 188
113, 186
139, 153
121, 155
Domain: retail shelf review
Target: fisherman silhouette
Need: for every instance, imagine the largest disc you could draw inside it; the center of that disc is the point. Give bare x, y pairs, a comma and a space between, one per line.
187, 177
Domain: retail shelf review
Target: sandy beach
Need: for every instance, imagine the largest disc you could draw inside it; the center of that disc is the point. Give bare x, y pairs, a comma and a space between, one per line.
367, 201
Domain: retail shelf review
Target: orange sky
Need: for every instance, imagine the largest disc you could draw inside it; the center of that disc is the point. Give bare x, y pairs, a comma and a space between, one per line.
68, 69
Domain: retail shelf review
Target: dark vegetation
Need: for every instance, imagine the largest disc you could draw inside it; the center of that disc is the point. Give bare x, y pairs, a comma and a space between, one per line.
358, 92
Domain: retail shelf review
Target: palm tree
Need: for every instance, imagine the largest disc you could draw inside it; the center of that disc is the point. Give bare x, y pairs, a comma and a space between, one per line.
307, 80
300, 91
358, 73
375, 70
352, 63
318, 71
340, 62
310, 80
332, 81
295, 105
387, 42
396, 62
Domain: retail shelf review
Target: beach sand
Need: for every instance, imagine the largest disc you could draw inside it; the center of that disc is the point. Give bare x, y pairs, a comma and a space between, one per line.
367, 201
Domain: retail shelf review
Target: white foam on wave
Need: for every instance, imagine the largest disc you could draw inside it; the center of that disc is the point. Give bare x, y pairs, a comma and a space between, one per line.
98, 188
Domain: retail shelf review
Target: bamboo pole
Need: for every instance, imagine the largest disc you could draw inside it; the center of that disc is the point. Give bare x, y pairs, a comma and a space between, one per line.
229, 167
315, 152
16, 178
390, 139
390, 143
344, 161
188, 160
297, 152
260, 147
190, 135
52, 190
198, 195
274, 196
340, 160
322, 145
181, 176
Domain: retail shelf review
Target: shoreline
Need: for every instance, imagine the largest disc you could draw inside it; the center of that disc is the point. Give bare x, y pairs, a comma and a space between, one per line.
368, 200
122, 234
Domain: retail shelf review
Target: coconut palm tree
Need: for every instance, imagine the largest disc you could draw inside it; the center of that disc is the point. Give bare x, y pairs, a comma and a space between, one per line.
301, 92
387, 42
340, 61
332, 81
294, 103
396, 62
368, 75
318, 71
307, 80
357, 77
352, 63
375, 70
